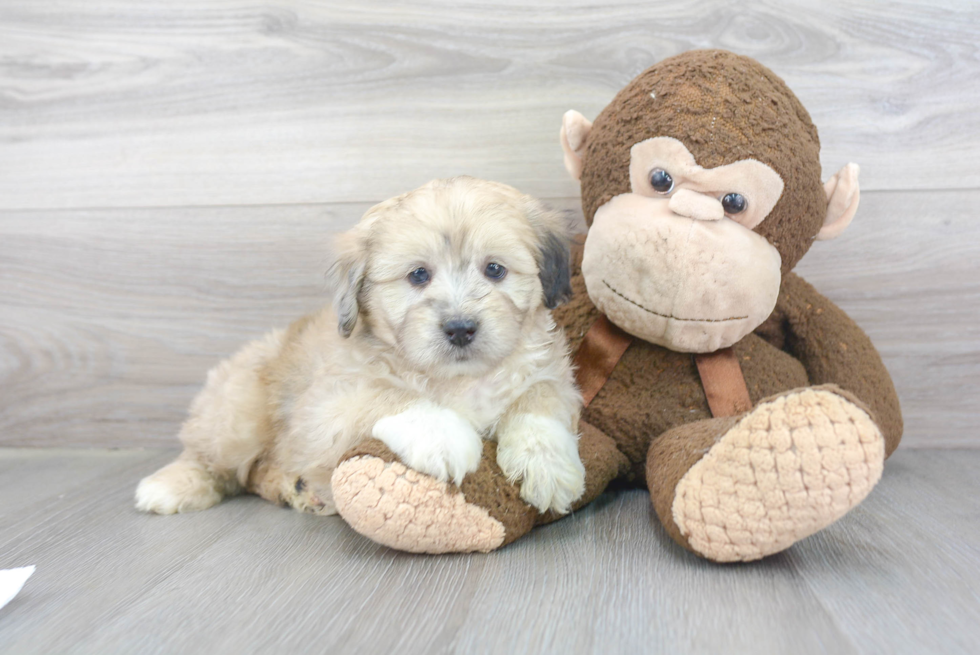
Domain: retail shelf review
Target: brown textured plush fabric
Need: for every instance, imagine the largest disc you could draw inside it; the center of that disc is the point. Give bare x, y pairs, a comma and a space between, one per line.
654, 389
671, 456
724, 108
597, 356
650, 423
488, 488
835, 350
790, 467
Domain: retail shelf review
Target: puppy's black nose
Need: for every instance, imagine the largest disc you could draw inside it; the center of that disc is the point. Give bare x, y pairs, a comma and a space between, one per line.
460, 331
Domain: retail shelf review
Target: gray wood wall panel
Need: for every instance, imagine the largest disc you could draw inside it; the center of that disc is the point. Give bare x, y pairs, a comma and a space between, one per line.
219, 102
110, 318
908, 271
170, 172
155, 159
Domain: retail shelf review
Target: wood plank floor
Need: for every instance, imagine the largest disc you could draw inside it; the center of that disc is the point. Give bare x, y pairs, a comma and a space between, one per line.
899, 574
170, 173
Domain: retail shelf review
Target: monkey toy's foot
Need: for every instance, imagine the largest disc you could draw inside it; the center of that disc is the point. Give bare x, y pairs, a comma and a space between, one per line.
742, 488
398, 507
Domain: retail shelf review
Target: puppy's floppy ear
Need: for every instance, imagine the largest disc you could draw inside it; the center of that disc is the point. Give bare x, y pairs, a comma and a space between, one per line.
553, 230
346, 277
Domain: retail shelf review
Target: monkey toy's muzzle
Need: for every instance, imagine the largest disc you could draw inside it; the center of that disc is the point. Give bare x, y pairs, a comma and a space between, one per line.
688, 284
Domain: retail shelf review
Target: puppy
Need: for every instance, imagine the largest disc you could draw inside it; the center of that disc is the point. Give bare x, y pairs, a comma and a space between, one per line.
445, 338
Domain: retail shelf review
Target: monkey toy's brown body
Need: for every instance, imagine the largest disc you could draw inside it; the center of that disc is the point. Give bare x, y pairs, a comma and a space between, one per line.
753, 408
658, 393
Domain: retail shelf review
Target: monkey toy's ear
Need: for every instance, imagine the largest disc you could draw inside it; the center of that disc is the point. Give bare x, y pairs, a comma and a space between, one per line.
575, 130
843, 195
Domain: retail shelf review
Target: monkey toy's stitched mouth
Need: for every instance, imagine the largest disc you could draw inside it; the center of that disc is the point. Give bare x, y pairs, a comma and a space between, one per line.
671, 316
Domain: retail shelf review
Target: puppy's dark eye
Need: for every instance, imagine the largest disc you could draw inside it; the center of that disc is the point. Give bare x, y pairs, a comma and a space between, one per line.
495, 271
734, 203
661, 181
419, 276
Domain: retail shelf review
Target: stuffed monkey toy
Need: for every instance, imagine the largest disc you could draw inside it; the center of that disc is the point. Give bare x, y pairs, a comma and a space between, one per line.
754, 410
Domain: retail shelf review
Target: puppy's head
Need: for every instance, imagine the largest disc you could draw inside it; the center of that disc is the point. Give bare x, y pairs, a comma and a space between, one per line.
449, 274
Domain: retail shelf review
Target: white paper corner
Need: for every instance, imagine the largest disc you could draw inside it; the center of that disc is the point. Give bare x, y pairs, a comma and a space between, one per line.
11, 582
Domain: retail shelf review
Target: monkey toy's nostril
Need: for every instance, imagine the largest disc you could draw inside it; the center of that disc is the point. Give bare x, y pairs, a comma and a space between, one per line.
460, 331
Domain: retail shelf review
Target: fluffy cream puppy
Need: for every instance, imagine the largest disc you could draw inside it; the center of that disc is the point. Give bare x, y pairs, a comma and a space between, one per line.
445, 338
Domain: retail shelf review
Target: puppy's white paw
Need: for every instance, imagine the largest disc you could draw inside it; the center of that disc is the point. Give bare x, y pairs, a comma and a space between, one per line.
155, 496
542, 454
181, 486
432, 440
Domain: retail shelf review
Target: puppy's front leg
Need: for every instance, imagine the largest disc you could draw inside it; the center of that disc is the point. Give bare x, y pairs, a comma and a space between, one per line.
537, 446
432, 440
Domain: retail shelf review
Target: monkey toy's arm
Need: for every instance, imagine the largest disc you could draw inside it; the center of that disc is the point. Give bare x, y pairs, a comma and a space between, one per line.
834, 350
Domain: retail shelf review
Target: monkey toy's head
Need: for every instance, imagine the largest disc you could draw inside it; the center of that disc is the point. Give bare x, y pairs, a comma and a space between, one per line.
701, 187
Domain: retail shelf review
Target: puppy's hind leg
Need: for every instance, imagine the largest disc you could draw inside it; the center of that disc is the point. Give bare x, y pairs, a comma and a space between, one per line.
184, 485
309, 492
227, 430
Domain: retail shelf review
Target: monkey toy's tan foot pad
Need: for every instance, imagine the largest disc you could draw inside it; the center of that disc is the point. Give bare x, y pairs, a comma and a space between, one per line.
787, 469
398, 507
393, 505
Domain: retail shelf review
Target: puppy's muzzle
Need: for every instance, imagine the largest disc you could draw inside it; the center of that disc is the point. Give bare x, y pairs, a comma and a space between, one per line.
460, 331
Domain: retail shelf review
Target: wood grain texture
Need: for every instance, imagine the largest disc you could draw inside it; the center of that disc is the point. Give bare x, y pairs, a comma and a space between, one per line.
896, 575
928, 506
169, 175
96, 346
908, 271
224, 102
109, 319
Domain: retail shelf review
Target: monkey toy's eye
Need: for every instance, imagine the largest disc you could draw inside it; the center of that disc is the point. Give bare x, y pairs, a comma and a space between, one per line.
661, 181
734, 203
419, 276
495, 271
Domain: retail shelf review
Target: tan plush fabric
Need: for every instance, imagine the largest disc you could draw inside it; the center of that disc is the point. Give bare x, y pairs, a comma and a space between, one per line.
789, 468
843, 198
749, 177
687, 284
671, 456
654, 389
725, 108
650, 424
824, 412
402, 509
